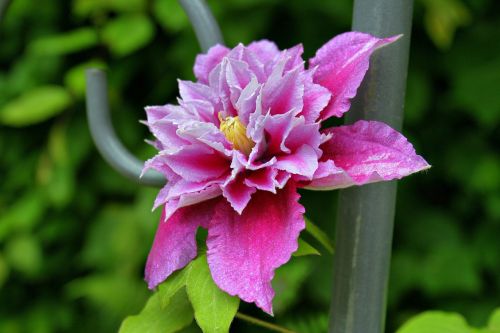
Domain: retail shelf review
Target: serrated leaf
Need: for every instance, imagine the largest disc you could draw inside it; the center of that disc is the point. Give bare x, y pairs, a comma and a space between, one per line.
155, 319
435, 322
319, 235
69, 42
305, 249
35, 106
214, 310
172, 285
494, 321
128, 33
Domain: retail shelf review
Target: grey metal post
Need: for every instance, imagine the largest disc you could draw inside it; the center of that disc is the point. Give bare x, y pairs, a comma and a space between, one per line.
366, 214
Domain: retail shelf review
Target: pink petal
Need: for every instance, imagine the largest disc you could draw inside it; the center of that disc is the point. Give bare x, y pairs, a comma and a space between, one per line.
316, 98
342, 64
294, 55
183, 193
368, 151
328, 177
247, 100
283, 94
174, 245
204, 63
196, 163
238, 193
191, 91
264, 50
244, 250
263, 179
303, 162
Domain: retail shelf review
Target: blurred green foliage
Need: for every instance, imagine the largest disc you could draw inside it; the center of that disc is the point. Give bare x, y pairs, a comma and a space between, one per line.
74, 235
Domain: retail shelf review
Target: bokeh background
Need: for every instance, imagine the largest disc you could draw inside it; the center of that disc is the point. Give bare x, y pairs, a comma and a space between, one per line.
74, 234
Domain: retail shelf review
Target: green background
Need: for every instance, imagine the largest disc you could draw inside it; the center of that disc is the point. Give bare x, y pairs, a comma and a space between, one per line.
74, 235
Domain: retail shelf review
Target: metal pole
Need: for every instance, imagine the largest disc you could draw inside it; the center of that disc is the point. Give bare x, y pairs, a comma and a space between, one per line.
101, 127
366, 214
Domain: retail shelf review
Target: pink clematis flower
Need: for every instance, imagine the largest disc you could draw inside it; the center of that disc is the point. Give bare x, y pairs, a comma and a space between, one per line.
240, 142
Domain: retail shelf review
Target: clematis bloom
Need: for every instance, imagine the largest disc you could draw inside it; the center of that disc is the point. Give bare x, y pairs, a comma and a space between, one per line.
243, 138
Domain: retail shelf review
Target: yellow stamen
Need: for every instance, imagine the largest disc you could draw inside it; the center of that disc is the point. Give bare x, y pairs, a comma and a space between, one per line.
236, 133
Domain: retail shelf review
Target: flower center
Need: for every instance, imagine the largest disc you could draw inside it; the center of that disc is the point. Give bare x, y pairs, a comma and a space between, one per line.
236, 133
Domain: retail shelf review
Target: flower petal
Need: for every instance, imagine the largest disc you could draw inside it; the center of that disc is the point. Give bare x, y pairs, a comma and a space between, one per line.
265, 51
204, 63
174, 245
280, 94
244, 250
302, 162
195, 163
238, 193
342, 64
366, 152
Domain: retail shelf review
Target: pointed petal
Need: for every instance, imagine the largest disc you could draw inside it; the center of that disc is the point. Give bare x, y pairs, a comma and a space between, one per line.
174, 245
204, 63
367, 152
303, 162
192, 91
237, 193
263, 179
195, 163
265, 51
244, 250
280, 94
342, 64
316, 98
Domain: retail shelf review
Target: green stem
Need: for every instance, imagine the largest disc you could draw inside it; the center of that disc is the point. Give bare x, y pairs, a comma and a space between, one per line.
262, 323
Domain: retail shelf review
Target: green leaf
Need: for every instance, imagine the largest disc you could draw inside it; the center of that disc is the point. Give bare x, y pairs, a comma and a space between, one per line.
35, 106
156, 319
214, 309
24, 254
172, 285
128, 33
443, 18
23, 215
494, 321
305, 249
319, 234
65, 43
436, 322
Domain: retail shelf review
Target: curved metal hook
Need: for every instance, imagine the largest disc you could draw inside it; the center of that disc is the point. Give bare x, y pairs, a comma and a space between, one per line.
104, 136
3, 8
205, 27
101, 128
